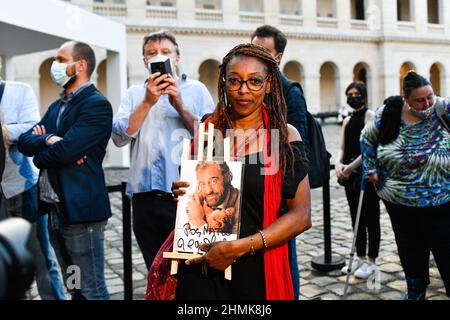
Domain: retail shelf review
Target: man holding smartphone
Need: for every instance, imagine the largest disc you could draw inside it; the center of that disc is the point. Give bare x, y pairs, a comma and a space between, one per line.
155, 117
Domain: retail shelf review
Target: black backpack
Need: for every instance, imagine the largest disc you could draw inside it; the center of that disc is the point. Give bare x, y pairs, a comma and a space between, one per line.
318, 156
442, 112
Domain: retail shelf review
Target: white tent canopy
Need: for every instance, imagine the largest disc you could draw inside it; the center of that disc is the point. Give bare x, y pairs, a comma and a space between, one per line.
28, 26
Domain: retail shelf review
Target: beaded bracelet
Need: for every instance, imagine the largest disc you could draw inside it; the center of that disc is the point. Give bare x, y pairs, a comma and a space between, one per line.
264, 239
252, 248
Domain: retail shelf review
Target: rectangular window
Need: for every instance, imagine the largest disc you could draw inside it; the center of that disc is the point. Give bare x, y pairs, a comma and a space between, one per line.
434, 11
251, 5
326, 8
162, 3
404, 10
358, 10
291, 7
208, 4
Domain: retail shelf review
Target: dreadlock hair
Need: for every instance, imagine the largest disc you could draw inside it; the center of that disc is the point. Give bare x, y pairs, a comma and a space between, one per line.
274, 100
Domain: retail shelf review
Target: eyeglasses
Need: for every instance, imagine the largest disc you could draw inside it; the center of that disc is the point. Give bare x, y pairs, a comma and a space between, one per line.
253, 83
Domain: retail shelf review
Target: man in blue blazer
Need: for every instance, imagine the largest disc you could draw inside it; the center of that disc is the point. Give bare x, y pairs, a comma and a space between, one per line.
69, 145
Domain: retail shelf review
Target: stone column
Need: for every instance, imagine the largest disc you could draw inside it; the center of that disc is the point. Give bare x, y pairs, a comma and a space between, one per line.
343, 13
445, 14
116, 87
420, 15
389, 17
312, 92
389, 73
136, 9
2, 68
8, 68
346, 77
373, 15
373, 83
272, 12
309, 14
186, 10
231, 12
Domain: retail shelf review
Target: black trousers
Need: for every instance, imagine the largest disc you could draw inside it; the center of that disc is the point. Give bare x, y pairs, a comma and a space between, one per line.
153, 220
369, 222
419, 231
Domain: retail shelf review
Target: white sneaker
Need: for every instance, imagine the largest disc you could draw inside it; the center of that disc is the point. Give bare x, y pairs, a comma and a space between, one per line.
367, 269
356, 263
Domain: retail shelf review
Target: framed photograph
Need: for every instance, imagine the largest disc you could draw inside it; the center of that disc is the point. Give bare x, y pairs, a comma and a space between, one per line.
210, 209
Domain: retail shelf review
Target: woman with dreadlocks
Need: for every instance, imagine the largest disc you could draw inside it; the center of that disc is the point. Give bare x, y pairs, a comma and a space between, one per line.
275, 206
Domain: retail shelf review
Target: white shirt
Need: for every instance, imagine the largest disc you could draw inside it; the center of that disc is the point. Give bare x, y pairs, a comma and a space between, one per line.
19, 113
156, 147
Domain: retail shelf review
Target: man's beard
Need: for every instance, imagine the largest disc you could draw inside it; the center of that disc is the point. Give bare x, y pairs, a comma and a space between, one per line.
70, 82
220, 200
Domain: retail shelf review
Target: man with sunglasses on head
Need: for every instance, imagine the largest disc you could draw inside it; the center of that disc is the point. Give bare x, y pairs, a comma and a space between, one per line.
155, 117
69, 145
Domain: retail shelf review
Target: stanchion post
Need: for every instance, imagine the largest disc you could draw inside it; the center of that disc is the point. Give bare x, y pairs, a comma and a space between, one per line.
127, 253
327, 262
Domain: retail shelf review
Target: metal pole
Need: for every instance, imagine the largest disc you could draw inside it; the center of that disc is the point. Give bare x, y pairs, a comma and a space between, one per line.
327, 262
327, 220
355, 234
127, 256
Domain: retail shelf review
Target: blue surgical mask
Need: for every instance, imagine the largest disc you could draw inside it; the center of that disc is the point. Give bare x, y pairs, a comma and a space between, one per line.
59, 74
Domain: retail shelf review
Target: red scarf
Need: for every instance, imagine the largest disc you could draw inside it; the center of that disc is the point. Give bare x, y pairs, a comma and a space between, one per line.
276, 259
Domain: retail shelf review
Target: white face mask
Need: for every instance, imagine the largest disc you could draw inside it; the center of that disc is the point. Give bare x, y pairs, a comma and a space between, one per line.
158, 57
59, 74
422, 114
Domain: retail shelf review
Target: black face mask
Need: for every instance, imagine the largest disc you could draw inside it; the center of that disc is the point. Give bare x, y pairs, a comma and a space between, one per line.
356, 102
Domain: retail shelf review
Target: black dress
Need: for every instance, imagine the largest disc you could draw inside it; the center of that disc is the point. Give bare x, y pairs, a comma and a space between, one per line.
370, 214
352, 149
248, 282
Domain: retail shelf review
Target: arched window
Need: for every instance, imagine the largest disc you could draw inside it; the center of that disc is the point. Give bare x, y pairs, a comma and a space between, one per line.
436, 78
294, 71
209, 75
403, 71
329, 96
101, 78
361, 72
48, 90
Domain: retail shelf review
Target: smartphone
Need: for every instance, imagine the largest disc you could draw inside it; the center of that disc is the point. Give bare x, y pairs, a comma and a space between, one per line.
161, 66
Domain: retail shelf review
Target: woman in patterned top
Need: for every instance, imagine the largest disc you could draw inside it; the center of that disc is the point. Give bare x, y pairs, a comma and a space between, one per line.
406, 154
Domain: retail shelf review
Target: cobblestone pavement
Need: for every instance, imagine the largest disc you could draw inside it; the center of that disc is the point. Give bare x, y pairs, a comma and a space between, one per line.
315, 285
